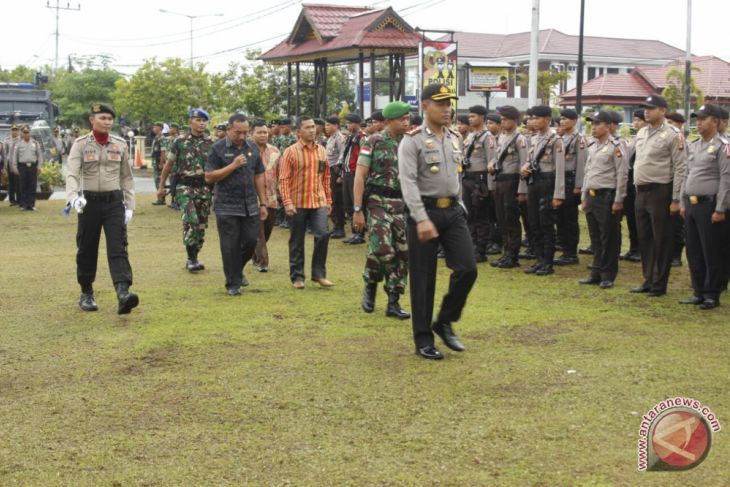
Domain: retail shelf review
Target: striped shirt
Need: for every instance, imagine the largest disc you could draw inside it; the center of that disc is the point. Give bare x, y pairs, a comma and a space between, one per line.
304, 176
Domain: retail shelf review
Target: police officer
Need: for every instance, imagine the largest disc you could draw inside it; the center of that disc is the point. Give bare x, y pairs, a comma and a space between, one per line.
335, 147
429, 162
100, 187
377, 176
26, 164
575, 160
462, 126
494, 240
658, 174
378, 121
603, 192
220, 131
632, 255
545, 176
511, 154
57, 150
187, 156
479, 147
156, 155
704, 206
9, 151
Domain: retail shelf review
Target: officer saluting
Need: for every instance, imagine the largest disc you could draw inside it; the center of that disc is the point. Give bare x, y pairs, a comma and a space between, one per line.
100, 187
429, 161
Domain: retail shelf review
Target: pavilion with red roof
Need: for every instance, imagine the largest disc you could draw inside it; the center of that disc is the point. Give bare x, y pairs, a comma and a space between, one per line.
335, 34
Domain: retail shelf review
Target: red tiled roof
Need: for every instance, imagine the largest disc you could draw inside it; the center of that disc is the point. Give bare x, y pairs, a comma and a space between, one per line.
328, 19
712, 75
552, 41
619, 85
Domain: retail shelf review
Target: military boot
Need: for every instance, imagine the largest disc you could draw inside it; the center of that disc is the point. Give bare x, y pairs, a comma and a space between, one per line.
87, 302
394, 308
126, 300
368, 297
192, 264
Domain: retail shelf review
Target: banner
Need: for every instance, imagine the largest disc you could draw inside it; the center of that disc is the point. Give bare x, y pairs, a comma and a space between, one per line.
438, 64
488, 79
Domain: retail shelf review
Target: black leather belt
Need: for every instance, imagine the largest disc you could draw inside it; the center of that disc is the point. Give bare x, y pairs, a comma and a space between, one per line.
645, 188
441, 203
193, 182
696, 199
103, 196
384, 192
600, 192
545, 175
507, 177
479, 175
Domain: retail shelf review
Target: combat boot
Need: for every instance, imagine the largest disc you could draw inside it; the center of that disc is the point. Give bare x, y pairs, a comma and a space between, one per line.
368, 297
126, 300
87, 302
394, 308
192, 264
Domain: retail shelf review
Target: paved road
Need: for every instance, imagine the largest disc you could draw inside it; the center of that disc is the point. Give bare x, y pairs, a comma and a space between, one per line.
142, 184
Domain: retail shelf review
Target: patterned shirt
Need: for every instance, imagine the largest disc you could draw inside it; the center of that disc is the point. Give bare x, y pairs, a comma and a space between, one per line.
270, 158
304, 176
189, 154
380, 154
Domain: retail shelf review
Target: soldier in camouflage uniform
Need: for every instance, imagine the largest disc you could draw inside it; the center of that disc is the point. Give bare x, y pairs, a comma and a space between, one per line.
156, 155
187, 156
286, 138
377, 175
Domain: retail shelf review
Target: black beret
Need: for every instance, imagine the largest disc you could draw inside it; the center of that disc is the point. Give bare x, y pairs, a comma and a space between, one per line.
494, 117
478, 109
102, 108
725, 114
708, 110
640, 114
555, 120
416, 119
655, 101
616, 117
676, 117
353, 117
601, 116
541, 111
275, 121
378, 116
569, 113
368, 120
333, 120
528, 112
222, 126
510, 112
463, 119
437, 92
285, 121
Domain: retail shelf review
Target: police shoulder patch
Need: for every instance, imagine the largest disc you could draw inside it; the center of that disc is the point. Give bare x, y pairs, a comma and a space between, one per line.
454, 132
415, 131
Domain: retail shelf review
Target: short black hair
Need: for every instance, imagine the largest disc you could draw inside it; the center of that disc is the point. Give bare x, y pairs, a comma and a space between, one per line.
237, 117
301, 119
259, 122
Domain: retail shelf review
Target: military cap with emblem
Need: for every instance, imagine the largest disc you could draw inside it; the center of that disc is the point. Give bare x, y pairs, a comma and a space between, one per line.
463, 119
655, 101
478, 109
198, 113
569, 113
333, 120
14, 127
541, 111
25, 129
676, 117
708, 110
222, 126
510, 112
616, 117
353, 117
102, 108
601, 116
319, 121
396, 109
494, 117
640, 114
437, 92
378, 116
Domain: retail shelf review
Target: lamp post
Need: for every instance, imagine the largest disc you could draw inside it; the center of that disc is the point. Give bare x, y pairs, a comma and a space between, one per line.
191, 18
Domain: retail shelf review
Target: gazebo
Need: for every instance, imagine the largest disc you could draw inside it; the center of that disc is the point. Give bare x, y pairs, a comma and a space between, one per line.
325, 35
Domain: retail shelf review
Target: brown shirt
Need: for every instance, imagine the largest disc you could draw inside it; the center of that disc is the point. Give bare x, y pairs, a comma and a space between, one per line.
660, 157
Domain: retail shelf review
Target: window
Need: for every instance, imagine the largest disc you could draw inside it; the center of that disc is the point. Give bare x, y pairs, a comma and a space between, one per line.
591, 73
612, 70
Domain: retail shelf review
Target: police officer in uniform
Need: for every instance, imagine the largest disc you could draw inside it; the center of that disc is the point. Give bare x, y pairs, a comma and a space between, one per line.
479, 147
462, 126
704, 200
26, 164
632, 255
603, 192
545, 176
429, 161
100, 187
575, 161
9, 150
335, 146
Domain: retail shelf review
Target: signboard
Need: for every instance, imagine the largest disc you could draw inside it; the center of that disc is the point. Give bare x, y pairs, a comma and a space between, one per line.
488, 79
438, 64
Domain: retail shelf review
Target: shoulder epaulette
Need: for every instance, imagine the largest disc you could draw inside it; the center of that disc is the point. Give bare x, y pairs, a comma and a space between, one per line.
121, 139
454, 132
415, 131
615, 141
724, 140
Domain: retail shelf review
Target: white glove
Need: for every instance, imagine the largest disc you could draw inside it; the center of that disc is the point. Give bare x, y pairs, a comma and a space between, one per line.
128, 216
78, 204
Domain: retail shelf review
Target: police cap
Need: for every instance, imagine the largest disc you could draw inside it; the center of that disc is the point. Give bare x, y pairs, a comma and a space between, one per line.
102, 108
437, 92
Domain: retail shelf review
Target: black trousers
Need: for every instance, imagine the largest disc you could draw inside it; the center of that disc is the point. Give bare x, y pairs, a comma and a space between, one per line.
542, 216
567, 215
27, 182
656, 230
108, 215
725, 246
475, 199
422, 263
316, 219
13, 185
338, 208
679, 233
508, 213
238, 236
525, 217
630, 213
604, 228
704, 249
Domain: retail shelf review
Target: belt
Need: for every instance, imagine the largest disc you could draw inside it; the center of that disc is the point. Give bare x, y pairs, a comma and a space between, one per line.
545, 175
384, 192
193, 181
29, 164
570, 173
441, 203
476, 175
644, 188
695, 199
103, 196
507, 177
600, 192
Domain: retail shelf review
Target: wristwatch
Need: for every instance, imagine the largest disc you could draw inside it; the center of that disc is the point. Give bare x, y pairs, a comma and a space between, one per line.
357, 209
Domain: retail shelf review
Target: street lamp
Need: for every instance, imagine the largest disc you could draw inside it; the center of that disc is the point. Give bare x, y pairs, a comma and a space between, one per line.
191, 17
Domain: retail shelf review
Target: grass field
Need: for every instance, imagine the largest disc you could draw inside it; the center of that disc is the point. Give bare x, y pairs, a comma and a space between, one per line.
286, 387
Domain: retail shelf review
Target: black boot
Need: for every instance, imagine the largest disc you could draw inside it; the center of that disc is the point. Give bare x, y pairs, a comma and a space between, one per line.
394, 308
368, 297
87, 302
126, 300
192, 264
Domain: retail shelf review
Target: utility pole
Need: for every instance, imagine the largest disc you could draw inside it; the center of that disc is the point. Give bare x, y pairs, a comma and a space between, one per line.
688, 67
58, 9
191, 18
534, 41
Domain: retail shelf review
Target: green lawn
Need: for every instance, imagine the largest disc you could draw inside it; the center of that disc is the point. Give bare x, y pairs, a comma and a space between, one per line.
286, 387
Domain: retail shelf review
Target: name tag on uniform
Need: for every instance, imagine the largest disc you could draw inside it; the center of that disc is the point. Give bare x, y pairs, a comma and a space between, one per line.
115, 153
90, 156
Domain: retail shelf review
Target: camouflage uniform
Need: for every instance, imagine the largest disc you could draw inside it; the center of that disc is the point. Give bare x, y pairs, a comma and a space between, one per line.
189, 155
156, 150
281, 142
387, 249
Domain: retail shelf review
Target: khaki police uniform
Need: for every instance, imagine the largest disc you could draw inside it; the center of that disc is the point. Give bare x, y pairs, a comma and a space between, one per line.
479, 150
26, 161
575, 160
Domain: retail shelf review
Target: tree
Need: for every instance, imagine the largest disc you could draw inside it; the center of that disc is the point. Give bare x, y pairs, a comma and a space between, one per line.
19, 74
674, 91
74, 92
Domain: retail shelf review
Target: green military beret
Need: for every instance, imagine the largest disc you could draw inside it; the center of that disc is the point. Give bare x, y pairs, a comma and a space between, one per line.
159, 124
174, 125
396, 109
186, 127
